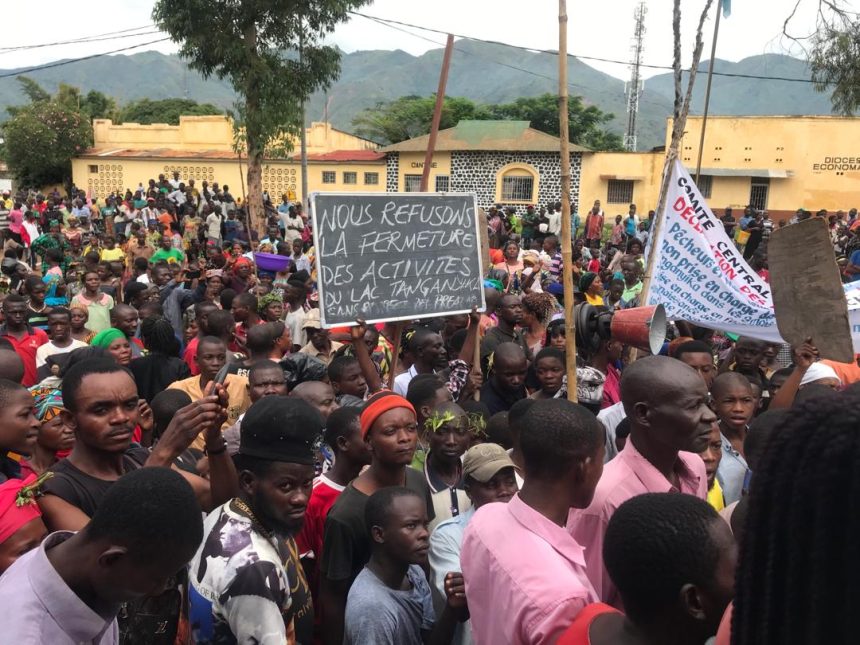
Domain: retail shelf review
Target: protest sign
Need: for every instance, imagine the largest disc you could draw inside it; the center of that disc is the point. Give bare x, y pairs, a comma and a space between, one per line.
699, 275
397, 256
808, 298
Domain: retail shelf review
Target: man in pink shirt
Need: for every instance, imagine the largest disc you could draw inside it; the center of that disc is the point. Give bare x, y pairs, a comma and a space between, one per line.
666, 402
525, 575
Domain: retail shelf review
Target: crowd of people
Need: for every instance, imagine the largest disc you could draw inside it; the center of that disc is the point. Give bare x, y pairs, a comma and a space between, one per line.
189, 457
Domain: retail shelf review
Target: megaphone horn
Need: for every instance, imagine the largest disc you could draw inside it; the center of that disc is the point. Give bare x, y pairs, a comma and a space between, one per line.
641, 327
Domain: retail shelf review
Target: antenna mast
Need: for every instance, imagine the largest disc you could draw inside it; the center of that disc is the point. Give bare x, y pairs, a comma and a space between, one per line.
636, 83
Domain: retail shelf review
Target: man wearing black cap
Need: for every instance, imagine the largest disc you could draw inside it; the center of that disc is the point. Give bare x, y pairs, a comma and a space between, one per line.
247, 584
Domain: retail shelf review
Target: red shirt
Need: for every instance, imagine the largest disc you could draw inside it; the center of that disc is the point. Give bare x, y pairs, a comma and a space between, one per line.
578, 632
323, 496
26, 347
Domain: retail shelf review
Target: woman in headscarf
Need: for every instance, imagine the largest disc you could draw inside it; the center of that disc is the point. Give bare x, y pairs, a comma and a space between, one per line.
116, 343
21, 525
591, 285
55, 439
271, 307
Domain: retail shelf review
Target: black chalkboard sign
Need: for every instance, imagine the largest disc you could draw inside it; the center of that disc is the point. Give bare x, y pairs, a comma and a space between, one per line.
396, 256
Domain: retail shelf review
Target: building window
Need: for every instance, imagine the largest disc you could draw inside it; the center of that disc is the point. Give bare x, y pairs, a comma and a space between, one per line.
517, 182
350, 177
411, 183
371, 179
517, 189
94, 170
620, 191
329, 177
705, 185
442, 182
759, 188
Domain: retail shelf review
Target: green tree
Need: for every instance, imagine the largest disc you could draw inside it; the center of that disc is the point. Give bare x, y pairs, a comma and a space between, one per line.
832, 50
40, 140
411, 116
272, 53
586, 124
145, 111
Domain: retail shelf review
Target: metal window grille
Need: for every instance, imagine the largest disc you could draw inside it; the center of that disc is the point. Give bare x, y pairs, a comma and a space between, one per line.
517, 189
329, 177
620, 191
350, 177
371, 178
442, 182
759, 188
412, 183
705, 185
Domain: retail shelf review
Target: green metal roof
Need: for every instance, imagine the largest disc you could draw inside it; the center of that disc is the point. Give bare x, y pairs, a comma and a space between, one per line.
505, 136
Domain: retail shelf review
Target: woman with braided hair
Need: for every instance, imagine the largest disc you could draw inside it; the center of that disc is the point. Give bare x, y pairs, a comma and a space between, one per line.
799, 560
161, 366
538, 308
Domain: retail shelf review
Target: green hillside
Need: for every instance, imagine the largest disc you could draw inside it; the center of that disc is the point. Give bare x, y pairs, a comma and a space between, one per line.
482, 72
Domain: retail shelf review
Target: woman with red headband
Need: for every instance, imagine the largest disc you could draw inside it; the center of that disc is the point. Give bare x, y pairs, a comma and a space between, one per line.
390, 428
21, 525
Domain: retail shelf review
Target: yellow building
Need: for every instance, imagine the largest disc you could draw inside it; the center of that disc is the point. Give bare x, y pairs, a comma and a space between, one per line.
201, 148
774, 163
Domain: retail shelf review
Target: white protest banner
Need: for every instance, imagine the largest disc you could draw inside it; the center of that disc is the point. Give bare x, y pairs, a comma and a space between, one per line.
699, 275
852, 295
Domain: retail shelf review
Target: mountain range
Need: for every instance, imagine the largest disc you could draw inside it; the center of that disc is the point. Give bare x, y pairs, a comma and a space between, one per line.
483, 72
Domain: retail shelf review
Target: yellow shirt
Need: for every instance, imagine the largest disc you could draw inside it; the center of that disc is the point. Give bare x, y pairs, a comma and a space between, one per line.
715, 496
239, 400
595, 301
313, 351
115, 254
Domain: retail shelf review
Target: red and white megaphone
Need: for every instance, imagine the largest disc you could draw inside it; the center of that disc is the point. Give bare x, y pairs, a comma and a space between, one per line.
640, 327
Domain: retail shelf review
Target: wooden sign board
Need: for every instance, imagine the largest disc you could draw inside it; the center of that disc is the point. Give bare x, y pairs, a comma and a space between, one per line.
396, 256
808, 297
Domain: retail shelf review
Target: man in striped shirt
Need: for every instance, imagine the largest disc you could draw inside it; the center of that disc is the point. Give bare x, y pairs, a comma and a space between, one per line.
550, 247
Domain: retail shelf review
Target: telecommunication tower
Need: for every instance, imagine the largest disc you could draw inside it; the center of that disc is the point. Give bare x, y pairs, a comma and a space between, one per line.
636, 83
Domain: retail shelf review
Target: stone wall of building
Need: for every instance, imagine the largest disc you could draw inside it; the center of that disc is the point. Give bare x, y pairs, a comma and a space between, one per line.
392, 171
477, 172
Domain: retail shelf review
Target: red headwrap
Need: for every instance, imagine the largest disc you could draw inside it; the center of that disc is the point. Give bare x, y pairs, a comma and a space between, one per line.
380, 404
17, 505
240, 261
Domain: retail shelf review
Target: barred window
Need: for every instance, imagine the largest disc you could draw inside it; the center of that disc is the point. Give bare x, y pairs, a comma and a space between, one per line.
412, 183
442, 182
705, 185
329, 177
517, 188
620, 191
350, 177
371, 178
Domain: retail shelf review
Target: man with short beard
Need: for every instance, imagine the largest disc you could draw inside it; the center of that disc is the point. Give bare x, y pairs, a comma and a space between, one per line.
247, 584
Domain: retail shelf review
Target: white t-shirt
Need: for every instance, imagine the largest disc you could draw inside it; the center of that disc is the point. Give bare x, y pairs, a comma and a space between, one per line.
213, 225
49, 349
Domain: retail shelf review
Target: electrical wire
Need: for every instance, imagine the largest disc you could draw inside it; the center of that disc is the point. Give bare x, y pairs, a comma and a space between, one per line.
19, 72
110, 35
554, 52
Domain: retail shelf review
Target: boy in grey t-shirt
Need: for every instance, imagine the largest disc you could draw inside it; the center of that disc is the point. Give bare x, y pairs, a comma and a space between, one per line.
390, 601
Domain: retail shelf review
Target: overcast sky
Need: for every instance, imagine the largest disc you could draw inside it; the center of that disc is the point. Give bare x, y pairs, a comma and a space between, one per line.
602, 29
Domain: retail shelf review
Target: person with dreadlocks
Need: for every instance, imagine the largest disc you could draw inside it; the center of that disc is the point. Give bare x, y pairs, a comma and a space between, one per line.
537, 311
161, 366
798, 561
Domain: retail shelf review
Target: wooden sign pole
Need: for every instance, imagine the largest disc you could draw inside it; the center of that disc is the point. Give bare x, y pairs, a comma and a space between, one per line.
437, 113
566, 236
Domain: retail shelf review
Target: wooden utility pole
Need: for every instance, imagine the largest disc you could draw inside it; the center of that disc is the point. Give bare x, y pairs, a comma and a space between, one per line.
566, 237
708, 91
437, 113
